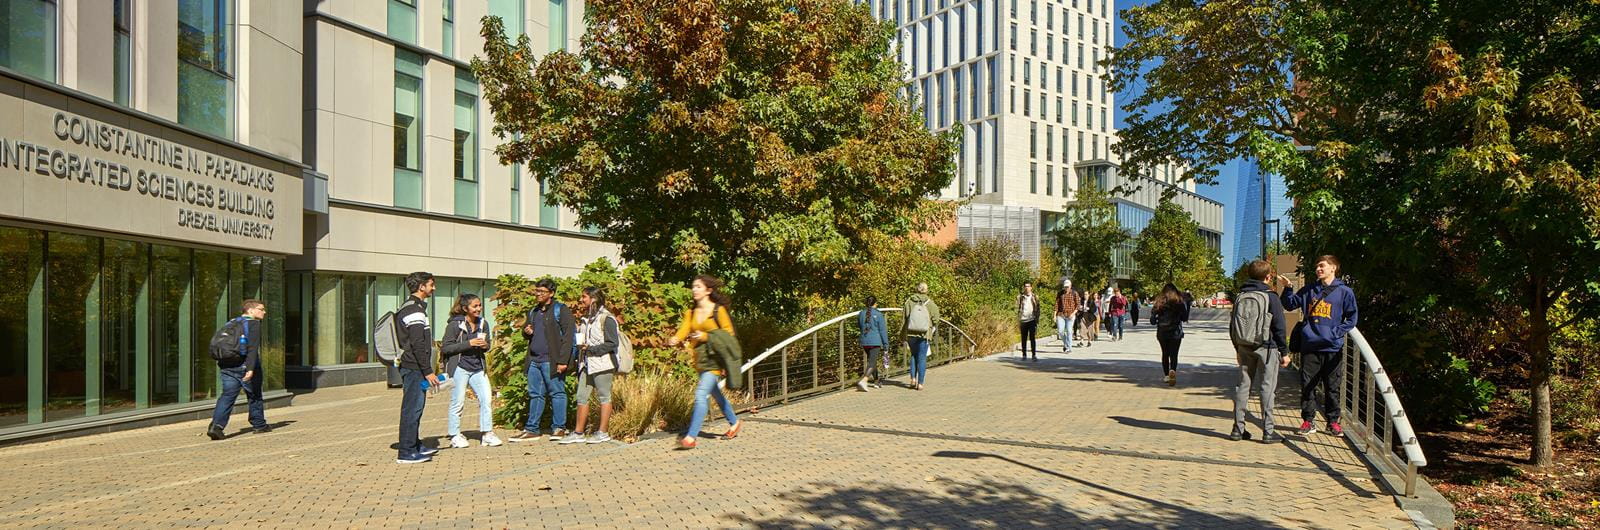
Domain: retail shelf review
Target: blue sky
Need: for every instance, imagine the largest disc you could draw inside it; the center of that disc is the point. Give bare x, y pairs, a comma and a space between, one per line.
1225, 190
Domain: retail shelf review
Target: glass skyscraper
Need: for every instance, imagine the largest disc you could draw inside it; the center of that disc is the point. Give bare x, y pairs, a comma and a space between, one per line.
1263, 208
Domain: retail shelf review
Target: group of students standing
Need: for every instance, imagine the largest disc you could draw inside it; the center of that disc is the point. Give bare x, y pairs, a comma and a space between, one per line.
562, 343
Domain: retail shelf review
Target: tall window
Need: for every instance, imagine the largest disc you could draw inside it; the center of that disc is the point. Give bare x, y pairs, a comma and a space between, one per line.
558, 25
466, 145
449, 27
28, 38
516, 193
403, 20
955, 94
1033, 140
1049, 180
1033, 42
1049, 142
407, 130
1059, 109
122, 51
1033, 178
1027, 102
511, 15
205, 65
1013, 37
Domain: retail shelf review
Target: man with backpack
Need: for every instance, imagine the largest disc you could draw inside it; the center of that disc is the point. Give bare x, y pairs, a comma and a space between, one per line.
236, 347
416, 366
551, 338
1256, 329
922, 317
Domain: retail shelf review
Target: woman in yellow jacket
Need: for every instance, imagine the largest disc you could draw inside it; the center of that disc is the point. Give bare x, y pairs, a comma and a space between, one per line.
709, 312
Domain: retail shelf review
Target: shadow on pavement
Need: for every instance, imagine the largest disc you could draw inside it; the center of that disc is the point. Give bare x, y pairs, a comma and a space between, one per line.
987, 503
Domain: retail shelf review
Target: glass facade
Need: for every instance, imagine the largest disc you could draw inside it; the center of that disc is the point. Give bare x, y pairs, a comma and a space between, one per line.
205, 66
466, 145
407, 130
1262, 207
403, 20
558, 25
330, 322
28, 37
94, 325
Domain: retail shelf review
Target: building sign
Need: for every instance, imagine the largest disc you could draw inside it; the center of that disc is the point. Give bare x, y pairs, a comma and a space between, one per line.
130, 177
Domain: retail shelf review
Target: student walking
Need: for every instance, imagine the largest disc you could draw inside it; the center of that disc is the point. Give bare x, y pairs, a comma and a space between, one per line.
1089, 319
874, 337
1256, 330
549, 331
1066, 314
1329, 310
599, 334
922, 317
1119, 313
708, 314
466, 340
237, 350
416, 366
1168, 314
1028, 316
1133, 311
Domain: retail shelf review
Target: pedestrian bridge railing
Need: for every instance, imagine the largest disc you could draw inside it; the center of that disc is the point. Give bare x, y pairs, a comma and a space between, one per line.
1373, 417
828, 357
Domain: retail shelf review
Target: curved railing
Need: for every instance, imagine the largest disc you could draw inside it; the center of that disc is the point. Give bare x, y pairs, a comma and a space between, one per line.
828, 357
1373, 417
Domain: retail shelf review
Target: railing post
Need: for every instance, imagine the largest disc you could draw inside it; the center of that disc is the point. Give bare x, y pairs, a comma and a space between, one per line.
783, 360
841, 355
816, 378
1411, 478
1372, 395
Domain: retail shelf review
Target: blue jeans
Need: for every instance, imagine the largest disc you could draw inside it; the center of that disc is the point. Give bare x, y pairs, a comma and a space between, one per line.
412, 399
1064, 330
232, 382
1116, 325
546, 387
479, 381
919, 358
708, 387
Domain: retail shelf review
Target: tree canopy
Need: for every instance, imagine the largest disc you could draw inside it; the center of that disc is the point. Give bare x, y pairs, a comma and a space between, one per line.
1170, 250
1447, 151
763, 141
1087, 237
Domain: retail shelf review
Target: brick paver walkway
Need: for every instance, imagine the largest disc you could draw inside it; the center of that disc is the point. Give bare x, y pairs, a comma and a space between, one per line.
1091, 439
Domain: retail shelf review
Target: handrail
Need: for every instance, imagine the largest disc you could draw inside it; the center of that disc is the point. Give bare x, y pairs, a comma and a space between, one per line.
1375, 381
835, 320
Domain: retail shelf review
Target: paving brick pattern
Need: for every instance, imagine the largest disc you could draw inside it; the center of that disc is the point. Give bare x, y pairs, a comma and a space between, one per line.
1092, 439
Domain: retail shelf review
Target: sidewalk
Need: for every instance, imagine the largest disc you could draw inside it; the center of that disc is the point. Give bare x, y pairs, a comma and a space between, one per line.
1092, 439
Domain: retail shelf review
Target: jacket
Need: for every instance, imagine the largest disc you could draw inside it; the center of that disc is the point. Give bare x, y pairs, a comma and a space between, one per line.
1169, 318
558, 334
1330, 313
703, 361
1030, 314
1276, 307
874, 328
416, 336
933, 313
723, 351
456, 346
1067, 303
598, 335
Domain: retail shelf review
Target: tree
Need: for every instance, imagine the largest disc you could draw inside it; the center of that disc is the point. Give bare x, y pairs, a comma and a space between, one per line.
1170, 250
1454, 154
1086, 239
759, 140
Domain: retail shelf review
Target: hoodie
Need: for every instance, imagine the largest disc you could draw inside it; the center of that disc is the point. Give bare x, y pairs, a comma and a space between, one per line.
1330, 314
1276, 307
933, 312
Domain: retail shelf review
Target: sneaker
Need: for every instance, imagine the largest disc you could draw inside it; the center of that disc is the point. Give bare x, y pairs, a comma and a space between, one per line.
262, 429
427, 451
558, 434
570, 438
458, 442
861, 386
1271, 438
598, 437
1307, 429
522, 436
1335, 429
215, 432
1239, 435
414, 458
490, 440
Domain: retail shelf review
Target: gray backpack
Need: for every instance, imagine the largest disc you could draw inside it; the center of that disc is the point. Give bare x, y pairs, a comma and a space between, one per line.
1251, 324
917, 318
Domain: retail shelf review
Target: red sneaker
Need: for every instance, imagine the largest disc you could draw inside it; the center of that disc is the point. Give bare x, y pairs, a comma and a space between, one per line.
1335, 429
1307, 429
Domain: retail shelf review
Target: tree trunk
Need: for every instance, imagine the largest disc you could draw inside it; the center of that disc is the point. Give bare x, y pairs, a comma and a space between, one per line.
1539, 375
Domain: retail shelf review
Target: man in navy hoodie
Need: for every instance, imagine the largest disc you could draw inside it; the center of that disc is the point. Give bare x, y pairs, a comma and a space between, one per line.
1329, 308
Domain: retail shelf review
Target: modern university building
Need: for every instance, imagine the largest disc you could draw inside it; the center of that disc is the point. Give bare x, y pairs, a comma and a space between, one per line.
1020, 79
176, 157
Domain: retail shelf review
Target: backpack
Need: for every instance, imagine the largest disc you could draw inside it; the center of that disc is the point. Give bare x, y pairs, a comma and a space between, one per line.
1251, 323
624, 350
917, 318
228, 343
386, 336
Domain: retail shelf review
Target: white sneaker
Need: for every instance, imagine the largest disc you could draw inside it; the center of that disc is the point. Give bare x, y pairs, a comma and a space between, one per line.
598, 437
861, 385
571, 438
490, 440
458, 442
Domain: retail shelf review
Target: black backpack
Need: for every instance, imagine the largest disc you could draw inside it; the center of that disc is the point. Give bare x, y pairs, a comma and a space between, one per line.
229, 342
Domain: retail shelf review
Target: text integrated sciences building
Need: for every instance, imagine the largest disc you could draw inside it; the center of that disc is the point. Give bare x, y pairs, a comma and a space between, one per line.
166, 160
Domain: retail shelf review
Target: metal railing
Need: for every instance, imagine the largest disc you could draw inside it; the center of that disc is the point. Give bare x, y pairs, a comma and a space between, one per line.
1373, 417
828, 357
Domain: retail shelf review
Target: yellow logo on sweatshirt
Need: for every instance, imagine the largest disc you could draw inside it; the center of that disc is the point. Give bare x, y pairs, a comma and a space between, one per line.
1321, 309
